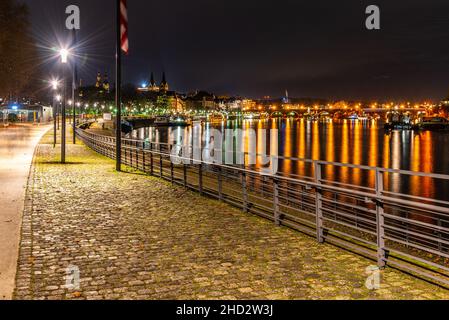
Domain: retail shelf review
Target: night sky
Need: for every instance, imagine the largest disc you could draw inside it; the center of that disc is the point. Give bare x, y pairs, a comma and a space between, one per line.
255, 48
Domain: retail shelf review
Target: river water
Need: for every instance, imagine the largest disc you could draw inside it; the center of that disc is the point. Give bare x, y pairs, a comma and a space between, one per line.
346, 141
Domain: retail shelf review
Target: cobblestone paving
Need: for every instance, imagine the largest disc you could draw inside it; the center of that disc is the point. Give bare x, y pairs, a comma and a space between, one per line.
137, 237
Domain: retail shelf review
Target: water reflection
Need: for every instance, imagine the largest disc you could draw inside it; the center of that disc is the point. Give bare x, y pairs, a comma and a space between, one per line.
346, 141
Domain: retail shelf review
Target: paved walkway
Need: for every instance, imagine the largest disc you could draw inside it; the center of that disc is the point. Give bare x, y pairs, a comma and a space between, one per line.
135, 237
17, 144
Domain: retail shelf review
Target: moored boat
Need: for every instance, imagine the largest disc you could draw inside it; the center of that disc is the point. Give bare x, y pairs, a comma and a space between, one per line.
432, 123
216, 118
170, 121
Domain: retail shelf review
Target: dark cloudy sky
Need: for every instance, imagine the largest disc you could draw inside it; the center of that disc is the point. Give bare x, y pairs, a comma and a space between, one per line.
254, 48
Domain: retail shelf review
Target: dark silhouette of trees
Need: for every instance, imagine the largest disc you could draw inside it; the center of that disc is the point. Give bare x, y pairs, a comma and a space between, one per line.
17, 50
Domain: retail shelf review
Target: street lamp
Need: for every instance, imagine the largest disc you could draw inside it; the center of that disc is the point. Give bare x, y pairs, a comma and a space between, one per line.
64, 54
56, 98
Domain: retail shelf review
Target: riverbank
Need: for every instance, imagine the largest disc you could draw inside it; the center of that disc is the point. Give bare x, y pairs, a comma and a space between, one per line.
136, 237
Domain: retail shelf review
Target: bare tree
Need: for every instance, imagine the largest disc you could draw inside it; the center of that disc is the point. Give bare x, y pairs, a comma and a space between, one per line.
17, 49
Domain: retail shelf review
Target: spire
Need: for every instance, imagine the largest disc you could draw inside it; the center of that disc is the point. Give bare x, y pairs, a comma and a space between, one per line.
98, 83
106, 83
164, 84
152, 82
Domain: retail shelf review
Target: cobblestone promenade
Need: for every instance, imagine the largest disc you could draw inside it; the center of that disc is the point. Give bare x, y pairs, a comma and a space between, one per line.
136, 237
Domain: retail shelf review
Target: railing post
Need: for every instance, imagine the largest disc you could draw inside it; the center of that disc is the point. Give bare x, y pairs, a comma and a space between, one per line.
200, 178
151, 160
276, 208
318, 204
220, 184
381, 256
185, 175
245, 193
161, 163
172, 173
137, 155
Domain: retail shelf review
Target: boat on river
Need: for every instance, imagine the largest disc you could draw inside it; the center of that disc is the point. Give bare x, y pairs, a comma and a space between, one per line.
170, 121
352, 117
216, 118
432, 124
198, 120
398, 126
397, 121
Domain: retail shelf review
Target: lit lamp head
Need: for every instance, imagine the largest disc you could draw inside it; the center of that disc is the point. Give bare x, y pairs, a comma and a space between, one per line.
64, 53
58, 98
54, 84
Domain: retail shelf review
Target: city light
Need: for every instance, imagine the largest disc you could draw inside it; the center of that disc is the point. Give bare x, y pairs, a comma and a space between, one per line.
64, 53
54, 84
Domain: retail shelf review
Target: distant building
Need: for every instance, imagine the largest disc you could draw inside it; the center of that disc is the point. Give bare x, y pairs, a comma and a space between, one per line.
102, 83
230, 104
153, 87
248, 104
201, 100
16, 112
445, 102
161, 95
286, 99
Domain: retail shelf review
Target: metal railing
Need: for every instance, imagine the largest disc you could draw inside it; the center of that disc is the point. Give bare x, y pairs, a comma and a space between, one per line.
405, 231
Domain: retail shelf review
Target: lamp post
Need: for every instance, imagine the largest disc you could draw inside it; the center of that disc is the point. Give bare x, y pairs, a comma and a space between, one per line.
54, 85
74, 79
64, 54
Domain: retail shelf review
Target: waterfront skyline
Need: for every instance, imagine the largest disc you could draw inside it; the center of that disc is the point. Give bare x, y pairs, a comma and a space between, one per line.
319, 50
247, 151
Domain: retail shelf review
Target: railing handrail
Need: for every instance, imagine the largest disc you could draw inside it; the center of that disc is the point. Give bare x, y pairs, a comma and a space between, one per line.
394, 219
444, 208
305, 160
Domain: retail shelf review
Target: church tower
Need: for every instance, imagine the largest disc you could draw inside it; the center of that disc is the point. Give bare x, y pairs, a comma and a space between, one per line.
153, 86
164, 84
106, 85
98, 84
